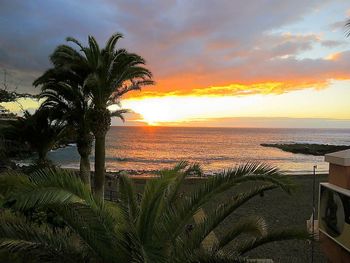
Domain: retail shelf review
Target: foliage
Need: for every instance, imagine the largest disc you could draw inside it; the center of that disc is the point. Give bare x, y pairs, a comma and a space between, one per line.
12, 96
107, 73
64, 94
39, 130
6, 96
150, 229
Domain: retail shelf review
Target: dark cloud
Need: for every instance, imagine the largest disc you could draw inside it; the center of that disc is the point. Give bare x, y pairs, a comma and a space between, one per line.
188, 44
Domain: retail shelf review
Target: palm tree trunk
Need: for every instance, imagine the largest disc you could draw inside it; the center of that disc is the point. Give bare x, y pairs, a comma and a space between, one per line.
42, 152
99, 179
84, 143
85, 169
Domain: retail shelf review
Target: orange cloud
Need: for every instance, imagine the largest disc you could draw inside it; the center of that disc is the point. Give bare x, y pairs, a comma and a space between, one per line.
256, 75
234, 89
334, 56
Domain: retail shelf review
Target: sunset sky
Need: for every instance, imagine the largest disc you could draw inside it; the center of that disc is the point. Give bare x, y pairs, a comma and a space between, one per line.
259, 63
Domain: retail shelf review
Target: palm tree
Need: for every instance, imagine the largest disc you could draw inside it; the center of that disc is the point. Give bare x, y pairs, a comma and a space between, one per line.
64, 94
150, 229
40, 130
109, 73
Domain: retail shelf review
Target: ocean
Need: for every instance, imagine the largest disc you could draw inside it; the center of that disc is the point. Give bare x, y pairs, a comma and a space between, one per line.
152, 148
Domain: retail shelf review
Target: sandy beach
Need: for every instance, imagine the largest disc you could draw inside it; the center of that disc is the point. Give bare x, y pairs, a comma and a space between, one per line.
282, 210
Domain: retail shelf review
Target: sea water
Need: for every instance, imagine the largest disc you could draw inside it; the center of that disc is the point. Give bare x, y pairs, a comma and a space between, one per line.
152, 148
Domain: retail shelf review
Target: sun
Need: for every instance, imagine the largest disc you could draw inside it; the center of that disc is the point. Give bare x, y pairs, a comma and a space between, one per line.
154, 116
149, 122
155, 111
174, 110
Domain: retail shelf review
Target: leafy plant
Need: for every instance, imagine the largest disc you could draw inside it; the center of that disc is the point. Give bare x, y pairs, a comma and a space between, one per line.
39, 130
153, 228
64, 96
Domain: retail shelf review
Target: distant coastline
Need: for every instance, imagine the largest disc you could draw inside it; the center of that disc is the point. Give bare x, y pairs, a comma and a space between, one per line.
307, 148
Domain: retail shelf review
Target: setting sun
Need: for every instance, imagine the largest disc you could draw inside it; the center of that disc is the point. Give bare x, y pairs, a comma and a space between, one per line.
178, 109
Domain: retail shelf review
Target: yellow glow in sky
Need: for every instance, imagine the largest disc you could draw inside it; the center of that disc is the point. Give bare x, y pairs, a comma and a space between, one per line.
332, 102
21, 104
178, 109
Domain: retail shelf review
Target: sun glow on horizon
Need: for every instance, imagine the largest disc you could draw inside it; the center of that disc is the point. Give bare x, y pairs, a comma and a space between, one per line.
192, 110
175, 110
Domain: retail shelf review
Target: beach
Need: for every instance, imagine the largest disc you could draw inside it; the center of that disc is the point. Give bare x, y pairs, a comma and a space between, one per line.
280, 210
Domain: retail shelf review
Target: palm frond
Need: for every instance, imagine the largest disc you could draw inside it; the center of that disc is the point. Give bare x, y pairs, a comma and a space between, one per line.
176, 177
251, 172
213, 219
128, 196
39, 243
45, 188
120, 113
253, 225
347, 28
71, 199
12, 181
207, 257
112, 41
75, 41
194, 169
273, 236
152, 201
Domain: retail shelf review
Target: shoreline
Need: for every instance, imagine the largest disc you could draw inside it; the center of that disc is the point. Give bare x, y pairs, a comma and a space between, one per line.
152, 173
136, 174
146, 177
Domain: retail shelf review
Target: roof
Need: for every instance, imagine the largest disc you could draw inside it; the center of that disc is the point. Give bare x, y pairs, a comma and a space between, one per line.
340, 158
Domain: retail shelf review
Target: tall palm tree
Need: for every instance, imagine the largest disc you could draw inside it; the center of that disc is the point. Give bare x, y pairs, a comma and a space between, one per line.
64, 94
110, 73
152, 229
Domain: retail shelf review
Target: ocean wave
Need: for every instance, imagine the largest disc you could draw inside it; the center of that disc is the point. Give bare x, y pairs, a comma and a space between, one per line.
203, 159
140, 160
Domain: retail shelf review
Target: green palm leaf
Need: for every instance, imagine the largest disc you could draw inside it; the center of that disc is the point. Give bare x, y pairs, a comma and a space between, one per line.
273, 236
39, 243
214, 218
184, 210
152, 230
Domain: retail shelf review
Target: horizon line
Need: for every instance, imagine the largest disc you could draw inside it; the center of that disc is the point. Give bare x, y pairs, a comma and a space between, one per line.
229, 127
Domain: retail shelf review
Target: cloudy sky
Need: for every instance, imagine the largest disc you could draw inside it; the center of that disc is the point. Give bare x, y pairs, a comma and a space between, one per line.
216, 63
